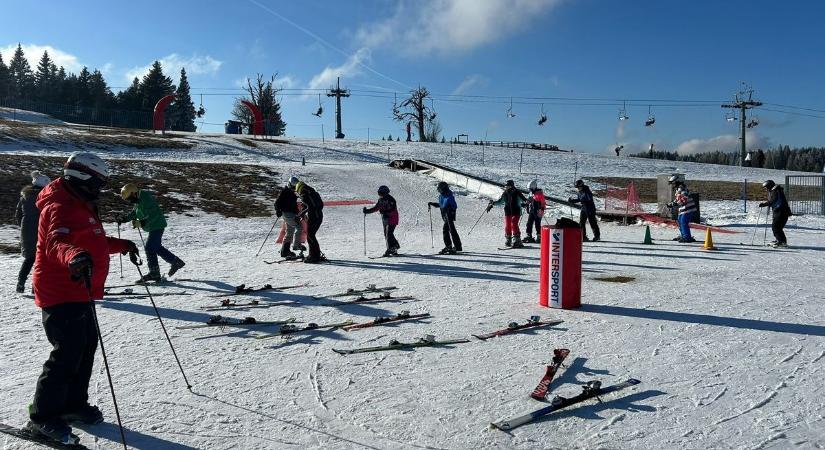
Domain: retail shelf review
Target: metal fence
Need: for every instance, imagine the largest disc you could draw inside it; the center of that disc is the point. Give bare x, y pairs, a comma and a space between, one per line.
806, 193
81, 114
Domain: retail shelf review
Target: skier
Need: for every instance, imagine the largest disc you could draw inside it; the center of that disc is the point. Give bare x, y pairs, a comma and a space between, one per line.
26, 216
389, 217
687, 207
313, 212
147, 214
513, 200
536, 204
781, 212
73, 250
286, 205
588, 211
448, 206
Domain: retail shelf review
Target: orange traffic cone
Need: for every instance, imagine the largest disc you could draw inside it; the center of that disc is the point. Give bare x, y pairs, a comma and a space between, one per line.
708, 240
648, 239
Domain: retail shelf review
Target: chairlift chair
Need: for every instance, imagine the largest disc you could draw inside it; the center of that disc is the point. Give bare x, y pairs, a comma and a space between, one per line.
201, 110
753, 122
623, 112
510, 113
543, 117
433, 114
730, 116
320, 108
650, 118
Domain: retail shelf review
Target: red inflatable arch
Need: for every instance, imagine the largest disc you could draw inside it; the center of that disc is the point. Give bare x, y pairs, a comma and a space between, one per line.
258, 118
158, 118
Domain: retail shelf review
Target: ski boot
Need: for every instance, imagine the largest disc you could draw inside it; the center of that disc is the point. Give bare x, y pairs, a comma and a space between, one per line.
299, 248
517, 242
508, 242
21, 288
149, 277
597, 238
389, 252
177, 265
538, 239
528, 240
287, 254
54, 429
88, 414
446, 251
585, 238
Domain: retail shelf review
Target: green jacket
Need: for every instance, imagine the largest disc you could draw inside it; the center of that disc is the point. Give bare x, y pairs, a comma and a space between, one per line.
148, 212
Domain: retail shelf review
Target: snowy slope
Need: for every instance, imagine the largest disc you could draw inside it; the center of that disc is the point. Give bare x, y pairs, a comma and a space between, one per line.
729, 345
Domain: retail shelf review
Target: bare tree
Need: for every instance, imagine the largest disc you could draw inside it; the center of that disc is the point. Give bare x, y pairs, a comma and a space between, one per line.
414, 109
264, 95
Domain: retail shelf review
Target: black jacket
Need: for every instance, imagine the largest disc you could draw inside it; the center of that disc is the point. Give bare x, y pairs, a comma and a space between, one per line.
777, 201
585, 197
287, 202
313, 205
513, 200
27, 217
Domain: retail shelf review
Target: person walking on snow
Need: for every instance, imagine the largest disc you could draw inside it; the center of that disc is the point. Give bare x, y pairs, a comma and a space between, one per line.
588, 211
389, 217
513, 201
536, 204
26, 216
687, 208
286, 206
781, 211
313, 213
448, 206
147, 214
73, 249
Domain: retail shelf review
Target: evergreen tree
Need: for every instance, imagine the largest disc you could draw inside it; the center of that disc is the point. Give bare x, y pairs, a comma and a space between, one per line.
5, 80
129, 99
100, 96
43, 83
182, 111
83, 96
21, 75
154, 86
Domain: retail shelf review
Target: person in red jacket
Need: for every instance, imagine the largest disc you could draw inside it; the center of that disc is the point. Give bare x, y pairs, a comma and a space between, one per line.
72, 247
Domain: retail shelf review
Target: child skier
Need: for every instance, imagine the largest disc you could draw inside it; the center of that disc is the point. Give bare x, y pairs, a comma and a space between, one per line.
73, 249
781, 211
536, 204
687, 208
588, 211
148, 215
313, 213
513, 201
286, 206
446, 203
26, 216
389, 217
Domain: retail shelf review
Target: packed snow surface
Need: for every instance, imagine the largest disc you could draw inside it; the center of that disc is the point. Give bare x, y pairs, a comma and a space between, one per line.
729, 344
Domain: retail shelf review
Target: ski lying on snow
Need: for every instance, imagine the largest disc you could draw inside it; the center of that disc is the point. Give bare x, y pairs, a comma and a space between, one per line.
514, 327
229, 304
428, 341
242, 289
139, 294
370, 289
291, 329
220, 321
540, 392
592, 389
402, 316
31, 436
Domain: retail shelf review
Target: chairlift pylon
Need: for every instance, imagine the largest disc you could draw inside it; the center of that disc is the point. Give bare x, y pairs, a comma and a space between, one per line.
320, 108
543, 117
510, 113
623, 112
650, 118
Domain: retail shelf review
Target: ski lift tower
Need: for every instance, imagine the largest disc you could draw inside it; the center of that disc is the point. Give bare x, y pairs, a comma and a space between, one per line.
743, 101
338, 93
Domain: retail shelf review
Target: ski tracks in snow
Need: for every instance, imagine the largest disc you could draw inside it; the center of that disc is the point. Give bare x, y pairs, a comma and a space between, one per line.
771, 394
313, 379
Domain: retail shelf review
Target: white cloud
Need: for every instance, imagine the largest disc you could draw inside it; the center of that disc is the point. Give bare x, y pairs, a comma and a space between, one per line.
471, 82
286, 82
722, 143
195, 65
34, 52
423, 27
350, 68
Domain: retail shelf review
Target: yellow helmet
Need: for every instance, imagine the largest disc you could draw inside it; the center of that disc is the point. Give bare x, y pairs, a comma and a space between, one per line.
299, 186
128, 190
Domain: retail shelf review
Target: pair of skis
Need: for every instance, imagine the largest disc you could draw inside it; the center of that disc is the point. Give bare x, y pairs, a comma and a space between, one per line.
287, 329
371, 289
513, 327
244, 290
427, 341
593, 389
32, 436
220, 321
400, 317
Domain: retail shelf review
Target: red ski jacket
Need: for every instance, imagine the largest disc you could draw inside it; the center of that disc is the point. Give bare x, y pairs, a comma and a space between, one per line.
68, 226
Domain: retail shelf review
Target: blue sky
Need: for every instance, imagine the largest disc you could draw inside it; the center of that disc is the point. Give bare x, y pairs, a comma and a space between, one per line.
580, 49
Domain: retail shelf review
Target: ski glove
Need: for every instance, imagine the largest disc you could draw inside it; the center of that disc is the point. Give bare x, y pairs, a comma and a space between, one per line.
763, 204
131, 247
80, 265
489, 207
121, 218
364, 210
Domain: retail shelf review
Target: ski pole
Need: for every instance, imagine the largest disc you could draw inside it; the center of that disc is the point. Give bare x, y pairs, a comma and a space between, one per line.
756, 227
87, 279
137, 262
432, 238
120, 254
765, 237
267, 237
365, 235
141, 238
477, 221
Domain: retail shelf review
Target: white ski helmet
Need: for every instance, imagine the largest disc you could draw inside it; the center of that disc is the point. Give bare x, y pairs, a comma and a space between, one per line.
83, 165
293, 181
674, 179
39, 180
533, 185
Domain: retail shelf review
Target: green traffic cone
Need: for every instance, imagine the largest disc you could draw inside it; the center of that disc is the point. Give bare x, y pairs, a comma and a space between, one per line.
648, 239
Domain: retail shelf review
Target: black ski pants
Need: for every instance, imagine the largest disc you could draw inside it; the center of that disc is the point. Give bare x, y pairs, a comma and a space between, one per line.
778, 226
533, 221
449, 233
64, 384
585, 217
314, 221
25, 269
389, 235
